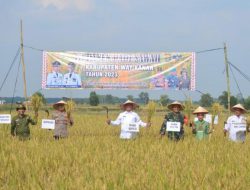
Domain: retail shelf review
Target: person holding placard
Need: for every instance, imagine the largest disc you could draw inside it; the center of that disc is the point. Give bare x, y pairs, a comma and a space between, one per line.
173, 122
129, 120
20, 123
236, 124
200, 127
62, 120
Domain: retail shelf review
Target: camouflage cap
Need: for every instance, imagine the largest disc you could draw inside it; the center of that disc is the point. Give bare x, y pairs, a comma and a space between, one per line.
20, 107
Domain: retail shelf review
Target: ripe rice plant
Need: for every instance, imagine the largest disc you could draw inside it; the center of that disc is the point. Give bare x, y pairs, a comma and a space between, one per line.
93, 157
151, 108
36, 102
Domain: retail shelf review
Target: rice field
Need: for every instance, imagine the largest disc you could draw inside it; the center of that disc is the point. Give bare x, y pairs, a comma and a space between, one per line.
93, 157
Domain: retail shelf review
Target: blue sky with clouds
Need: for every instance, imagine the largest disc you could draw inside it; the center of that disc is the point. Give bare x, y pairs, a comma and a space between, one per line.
127, 26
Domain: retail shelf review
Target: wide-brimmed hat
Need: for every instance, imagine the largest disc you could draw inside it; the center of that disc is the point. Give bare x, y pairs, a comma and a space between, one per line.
55, 106
200, 110
20, 107
135, 105
170, 106
238, 106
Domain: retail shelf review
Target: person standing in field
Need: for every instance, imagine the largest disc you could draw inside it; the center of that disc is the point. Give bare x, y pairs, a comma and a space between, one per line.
174, 116
236, 125
128, 117
62, 120
20, 123
200, 127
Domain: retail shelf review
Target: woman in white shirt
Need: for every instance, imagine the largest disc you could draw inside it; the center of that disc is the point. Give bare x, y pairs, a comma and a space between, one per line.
129, 121
236, 125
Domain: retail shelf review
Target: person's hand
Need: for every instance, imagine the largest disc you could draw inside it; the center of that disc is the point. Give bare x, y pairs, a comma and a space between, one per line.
191, 124
108, 121
148, 124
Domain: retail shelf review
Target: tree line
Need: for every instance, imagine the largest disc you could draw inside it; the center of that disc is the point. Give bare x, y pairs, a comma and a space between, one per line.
95, 99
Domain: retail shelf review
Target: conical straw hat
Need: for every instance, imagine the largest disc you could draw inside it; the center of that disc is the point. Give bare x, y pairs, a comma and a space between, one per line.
238, 106
200, 110
55, 106
129, 102
170, 106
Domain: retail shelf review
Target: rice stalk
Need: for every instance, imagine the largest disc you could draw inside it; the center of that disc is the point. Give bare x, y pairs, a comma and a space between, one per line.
151, 108
36, 102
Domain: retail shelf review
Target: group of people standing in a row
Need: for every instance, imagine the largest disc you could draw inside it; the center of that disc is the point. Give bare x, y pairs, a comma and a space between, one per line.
236, 124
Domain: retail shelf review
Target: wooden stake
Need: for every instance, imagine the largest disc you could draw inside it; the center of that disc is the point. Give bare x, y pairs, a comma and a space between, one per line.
228, 80
23, 65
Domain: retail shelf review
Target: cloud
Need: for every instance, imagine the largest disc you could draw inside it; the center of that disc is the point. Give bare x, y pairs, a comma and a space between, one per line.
81, 5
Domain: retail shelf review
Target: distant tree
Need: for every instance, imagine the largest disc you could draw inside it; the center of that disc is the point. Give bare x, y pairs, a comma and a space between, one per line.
247, 103
130, 97
206, 100
93, 99
233, 101
223, 99
164, 100
144, 97
240, 98
109, 99
41, 96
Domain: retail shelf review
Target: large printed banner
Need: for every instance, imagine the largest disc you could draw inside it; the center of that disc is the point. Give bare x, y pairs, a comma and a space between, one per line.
119, 70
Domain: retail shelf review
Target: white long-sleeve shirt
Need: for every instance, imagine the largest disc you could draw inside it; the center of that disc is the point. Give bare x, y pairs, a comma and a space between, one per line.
234, 133
128, 117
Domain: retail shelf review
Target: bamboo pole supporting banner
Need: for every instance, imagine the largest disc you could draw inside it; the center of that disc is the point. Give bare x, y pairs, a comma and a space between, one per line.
228, 80
23, 64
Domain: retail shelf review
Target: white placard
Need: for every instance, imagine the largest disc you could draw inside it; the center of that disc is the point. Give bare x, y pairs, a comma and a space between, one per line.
174, 126
5, 118
208, 118
216, 120
48, 124
239, 126
131, 127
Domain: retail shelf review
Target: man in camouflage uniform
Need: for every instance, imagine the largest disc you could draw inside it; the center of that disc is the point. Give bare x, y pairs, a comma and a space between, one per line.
174, 116
20, 123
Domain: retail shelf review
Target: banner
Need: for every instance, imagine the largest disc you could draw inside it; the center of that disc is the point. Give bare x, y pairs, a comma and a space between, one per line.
119, 70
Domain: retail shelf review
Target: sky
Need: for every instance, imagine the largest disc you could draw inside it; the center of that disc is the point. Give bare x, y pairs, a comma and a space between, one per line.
127, 26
